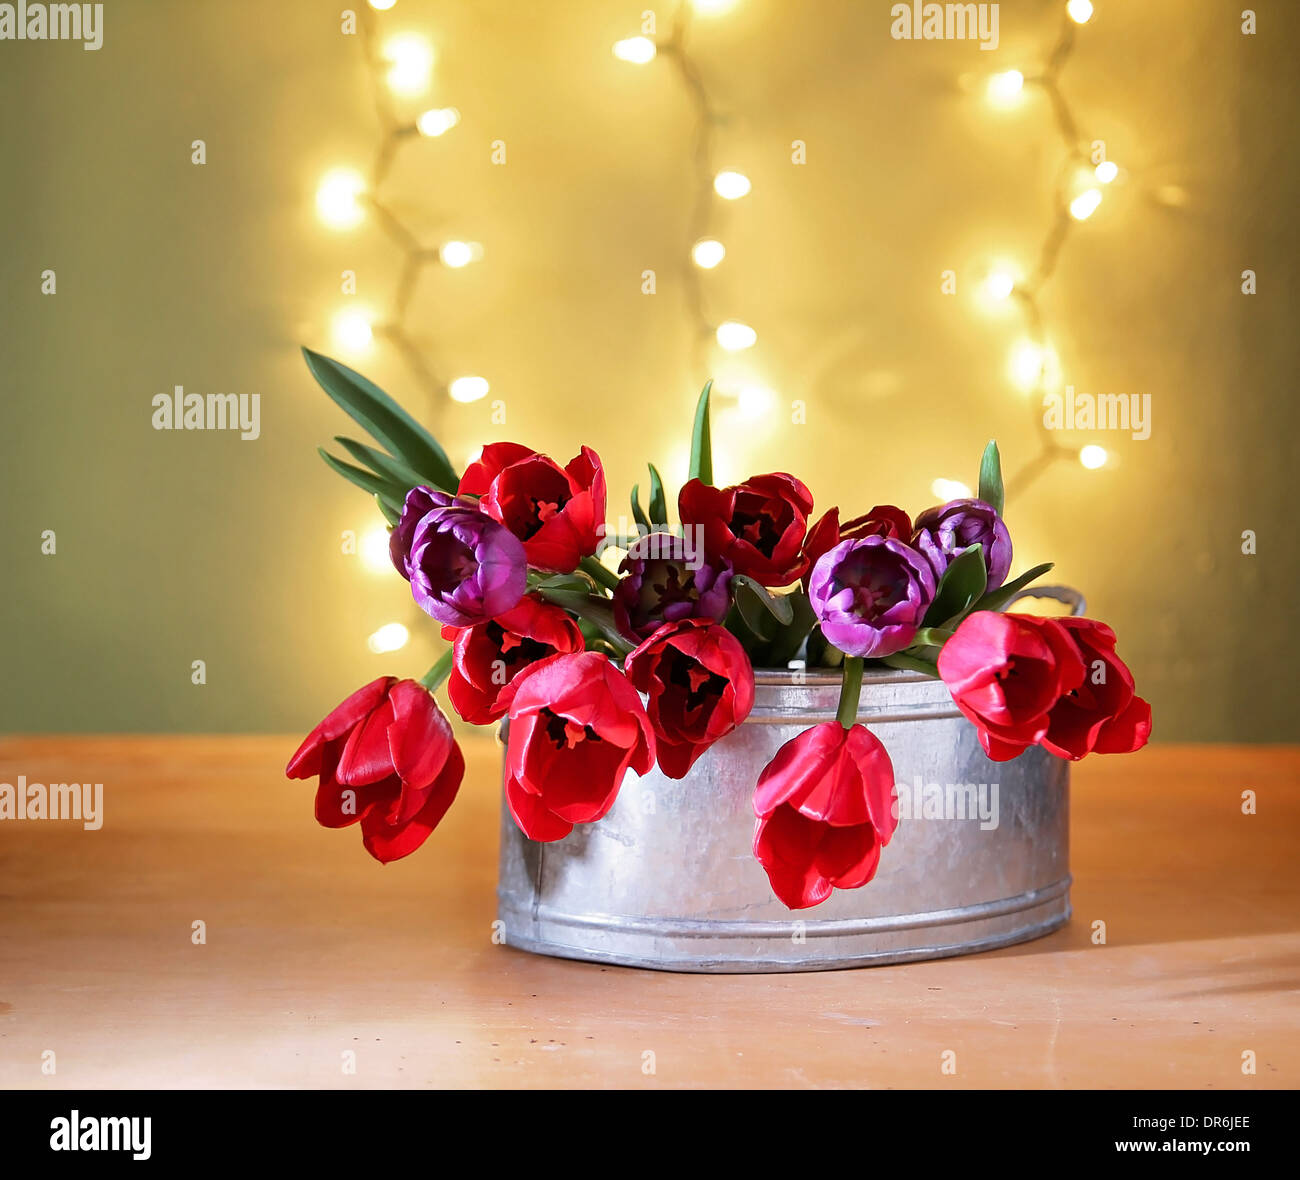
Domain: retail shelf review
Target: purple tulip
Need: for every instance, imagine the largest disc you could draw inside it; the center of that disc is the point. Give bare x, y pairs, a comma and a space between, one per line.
659, 586
870, 595
464, 567
944, 531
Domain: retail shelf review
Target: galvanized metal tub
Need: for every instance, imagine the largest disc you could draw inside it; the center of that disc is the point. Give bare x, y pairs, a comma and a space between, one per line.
668, 879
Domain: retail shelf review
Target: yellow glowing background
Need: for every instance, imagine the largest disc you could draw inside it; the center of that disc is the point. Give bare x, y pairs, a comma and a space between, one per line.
922, 157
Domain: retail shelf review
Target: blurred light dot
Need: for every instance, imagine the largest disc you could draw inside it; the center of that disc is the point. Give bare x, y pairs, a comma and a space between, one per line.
468, 389
1032, 365
999, 284
1085, 204
707, 253
438, 121
410, 59
1080, 11
1106, 171
382, 5
950, 489
733, 336
1006, 86
637, 50
754, 401
389, 637
337, 198
731, 185
457, 254
353, 331
1093, 456
374, 550
713, 7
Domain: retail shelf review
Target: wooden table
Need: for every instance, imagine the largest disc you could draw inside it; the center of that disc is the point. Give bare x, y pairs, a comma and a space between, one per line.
314, 950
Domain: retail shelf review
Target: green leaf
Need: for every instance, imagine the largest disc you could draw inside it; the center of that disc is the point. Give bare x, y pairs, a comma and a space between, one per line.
390, 514
658, 507
383, 419
751, 592
367, 481
393, 470
930, 637
911, 663
998, 599
962, 583
991, 477
750, 623
701, 441
598, 612
638, 513
789, 639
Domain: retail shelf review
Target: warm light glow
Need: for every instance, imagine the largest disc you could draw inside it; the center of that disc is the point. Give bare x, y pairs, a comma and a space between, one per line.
374, 551
1032, 366
637, 50
1085, 204
713, 7
338, 198
707, 253
410, 59
731, 185
458, 254
438, 121
468, 389
999, 285
1080, 11
733, 336
389, 637
754, 401
1004, 88
950, 489
353, 331
1093, 456
382, 5
1106, 171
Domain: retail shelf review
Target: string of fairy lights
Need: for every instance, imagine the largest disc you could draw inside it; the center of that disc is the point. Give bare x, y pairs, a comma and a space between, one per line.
400, 69
714, 187
1080, 187
1034, 365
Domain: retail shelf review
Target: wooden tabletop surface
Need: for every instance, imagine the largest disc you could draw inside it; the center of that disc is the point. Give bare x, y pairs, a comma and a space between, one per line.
314, 951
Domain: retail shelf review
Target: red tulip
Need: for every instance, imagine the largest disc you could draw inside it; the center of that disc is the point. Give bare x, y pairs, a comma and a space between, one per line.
490, 655
576, 727
700, 685
826, 806
1103, 715
884, 520
385, 757
1006, 673
758, 525
557, 512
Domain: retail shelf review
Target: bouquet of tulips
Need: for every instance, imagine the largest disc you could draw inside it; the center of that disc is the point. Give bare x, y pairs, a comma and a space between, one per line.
601, 672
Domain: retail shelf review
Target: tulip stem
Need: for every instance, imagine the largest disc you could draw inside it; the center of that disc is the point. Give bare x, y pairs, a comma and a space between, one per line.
850, 691
599, 574
438, 673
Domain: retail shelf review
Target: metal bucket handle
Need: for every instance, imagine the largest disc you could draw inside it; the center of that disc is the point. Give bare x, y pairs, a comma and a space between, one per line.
1065, 594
